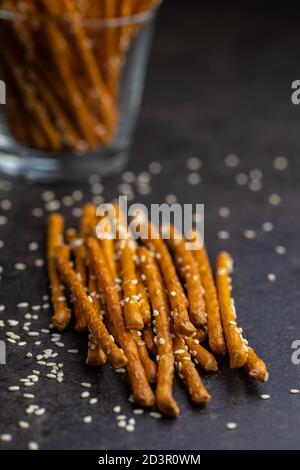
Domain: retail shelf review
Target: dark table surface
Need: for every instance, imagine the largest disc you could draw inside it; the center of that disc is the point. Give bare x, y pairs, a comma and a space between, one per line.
219, 82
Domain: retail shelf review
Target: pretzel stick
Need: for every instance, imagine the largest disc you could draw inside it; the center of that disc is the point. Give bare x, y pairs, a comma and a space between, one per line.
165, 374
176, 294
237, 349
62, 314
187, 371
95, 324
91, 67
256, 367
190, 275
148, 364
200, 335
141, 390
107, 246
214, 324
145, 309
149, 339
204, 358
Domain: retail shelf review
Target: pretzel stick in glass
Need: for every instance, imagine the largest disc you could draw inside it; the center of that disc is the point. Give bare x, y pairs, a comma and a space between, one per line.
214, 324
62, 314
94, 322
237, 349
159, 302
141, 390
188, 373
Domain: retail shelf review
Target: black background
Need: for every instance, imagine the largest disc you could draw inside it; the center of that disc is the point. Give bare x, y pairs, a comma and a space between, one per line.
219, 82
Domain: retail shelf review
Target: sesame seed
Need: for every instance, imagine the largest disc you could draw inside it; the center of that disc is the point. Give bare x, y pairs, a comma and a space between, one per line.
265, 396
93, 401
85, 394
20, 266
87, 419
138, 411
280, 250
294, 391
33, 246
161, 341
40, 412
86, 384
280, 163
51, 376
130, 428
5, 437
155, 168
241, 179
131, 399
223, 235
28, 384
155, 415
28, 395
271, 277
267, 227
224, 212
250, 234
32, 445
194, 163
194, 178
116, 409
122, 424
23, 305
274, 199
121, 370
231, 426
232, 161
14, 388
73, 351
23, 424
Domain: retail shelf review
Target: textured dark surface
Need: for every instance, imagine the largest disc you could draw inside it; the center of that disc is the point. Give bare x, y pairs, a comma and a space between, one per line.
218, 83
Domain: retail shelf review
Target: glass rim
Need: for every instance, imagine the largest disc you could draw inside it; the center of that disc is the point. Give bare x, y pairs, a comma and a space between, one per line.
137, 18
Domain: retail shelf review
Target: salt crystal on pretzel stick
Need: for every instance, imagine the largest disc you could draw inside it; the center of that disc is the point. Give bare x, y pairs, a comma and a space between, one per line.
62, 314
204, 358
256, 367
94, 322
237, 349
141, 389
214, 323
148, 364
176, 294
188, 373
165, 374
189, 273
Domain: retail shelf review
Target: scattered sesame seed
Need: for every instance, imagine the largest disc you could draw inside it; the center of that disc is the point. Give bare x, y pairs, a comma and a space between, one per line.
274, 199
121, 370
155, 168
232, 160
23, 305
194, 163
86, 384
73, 351
5, 437
93, 401
231, 426
138, 411
23, 424
271, 277
241, 179
85, 394
87, 419
224, 212
255, 185
223, 235
280, 250
116, 409
20, 266
194, 178
33, 246
130, 428
40, 412
13, 388
3, 220
249, 234
294, 391
280, 163
32, 445
122, 424
155, 415
264, 396
268, 227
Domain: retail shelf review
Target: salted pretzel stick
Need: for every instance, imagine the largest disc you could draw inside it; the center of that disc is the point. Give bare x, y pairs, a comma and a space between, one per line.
148, 364
62, 314
95, 324
189, 273
188, 373
200, 335
204, 358
141, 390
133, 316
214, 324
176, 294
107, 246
237, 349
96, 356
165, 374
256, 367
149, 339
145, 308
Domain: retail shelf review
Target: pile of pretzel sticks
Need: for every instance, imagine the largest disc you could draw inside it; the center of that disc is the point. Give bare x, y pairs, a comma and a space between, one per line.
63, 63
147, 306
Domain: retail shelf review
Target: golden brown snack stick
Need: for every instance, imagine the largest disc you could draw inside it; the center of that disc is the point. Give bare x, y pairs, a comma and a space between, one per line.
132, 314
200, 335
189, 273
175, 291
141, 390
187, 371
237, 349
148, 364
149, 339
145, 308
256, 367
94, 322
165, 374
204, 358
88, 220
62, 314
214, 323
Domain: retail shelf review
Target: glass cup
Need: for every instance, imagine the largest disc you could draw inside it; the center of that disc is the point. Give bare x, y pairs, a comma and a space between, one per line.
73, 76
